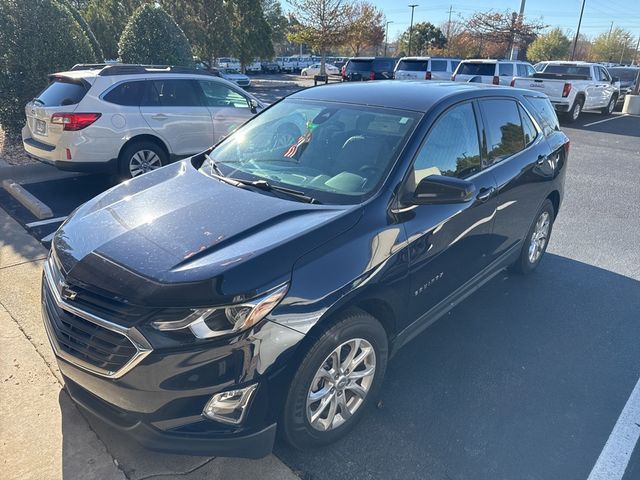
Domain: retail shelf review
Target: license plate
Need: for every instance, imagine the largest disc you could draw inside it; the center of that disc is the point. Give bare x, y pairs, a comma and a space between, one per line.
40, 127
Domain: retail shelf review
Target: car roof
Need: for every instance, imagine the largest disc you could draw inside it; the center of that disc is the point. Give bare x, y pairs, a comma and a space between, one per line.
417, 96
491, 60
429, 58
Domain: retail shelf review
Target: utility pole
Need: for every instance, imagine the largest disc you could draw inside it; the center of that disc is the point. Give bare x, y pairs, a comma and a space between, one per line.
412, 6
449, 26
515, 41
610, 50
386, 37
575, 40
635, 55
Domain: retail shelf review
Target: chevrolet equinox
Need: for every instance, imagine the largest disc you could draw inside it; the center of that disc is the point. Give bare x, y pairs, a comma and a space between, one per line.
267, 281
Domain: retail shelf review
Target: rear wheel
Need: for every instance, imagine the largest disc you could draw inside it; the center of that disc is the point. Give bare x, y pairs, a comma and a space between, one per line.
535, 244
338, 377
141, 157
574, 113
608, 110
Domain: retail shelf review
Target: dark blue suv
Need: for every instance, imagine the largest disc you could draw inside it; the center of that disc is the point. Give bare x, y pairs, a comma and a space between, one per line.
267, 281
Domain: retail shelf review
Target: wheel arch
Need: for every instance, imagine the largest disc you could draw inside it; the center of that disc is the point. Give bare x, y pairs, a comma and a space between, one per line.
554, 198
145, 137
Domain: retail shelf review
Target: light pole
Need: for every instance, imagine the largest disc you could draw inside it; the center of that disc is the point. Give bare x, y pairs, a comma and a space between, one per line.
575, 40
412, 6
386, 37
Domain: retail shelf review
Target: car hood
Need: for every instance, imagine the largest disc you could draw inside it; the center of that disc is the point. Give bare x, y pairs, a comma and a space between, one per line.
177, 237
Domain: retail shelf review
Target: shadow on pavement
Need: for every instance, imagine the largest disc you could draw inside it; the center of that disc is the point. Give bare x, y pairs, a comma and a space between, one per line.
523, 380
617, 124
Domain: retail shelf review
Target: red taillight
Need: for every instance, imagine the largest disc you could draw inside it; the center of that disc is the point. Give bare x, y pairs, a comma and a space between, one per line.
453, 77
427, 76
372, 75
513, 83
74, 121
496, 80
566, 89
343, 71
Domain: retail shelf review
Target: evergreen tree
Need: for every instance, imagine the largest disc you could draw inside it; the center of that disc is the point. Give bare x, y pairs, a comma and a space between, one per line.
107, 19
251, 32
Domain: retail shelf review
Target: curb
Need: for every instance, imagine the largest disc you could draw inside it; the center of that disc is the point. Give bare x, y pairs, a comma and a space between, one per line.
33, 173
30, 202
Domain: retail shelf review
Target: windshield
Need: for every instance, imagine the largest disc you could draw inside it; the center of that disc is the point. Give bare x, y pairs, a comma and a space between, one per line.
335, 153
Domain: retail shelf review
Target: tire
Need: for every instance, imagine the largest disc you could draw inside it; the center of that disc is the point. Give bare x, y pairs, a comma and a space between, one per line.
304, 74
533, 249
574, 113
608, 110
297, 428
144, 153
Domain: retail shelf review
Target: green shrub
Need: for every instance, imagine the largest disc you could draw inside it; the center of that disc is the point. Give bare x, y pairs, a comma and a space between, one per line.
37, 37
153, 37
95, 45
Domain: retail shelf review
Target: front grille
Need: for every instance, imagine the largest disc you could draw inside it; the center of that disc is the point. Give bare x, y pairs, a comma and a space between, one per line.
85, 339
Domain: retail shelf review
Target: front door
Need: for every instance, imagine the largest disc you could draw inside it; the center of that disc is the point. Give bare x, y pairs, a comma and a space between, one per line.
174, 109
449, 243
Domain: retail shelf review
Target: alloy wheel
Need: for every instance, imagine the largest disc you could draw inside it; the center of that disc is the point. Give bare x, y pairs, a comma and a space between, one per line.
576, 111
539, 237
143, 161
341, 384
611, 105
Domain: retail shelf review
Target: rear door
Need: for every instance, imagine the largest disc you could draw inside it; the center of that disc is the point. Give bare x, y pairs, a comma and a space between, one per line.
175, 111
61, 95
229, 108
608, 88
449, 243
519, 157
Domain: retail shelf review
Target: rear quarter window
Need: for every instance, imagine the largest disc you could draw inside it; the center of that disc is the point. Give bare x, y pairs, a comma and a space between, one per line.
126, 94
545, 114
62, 91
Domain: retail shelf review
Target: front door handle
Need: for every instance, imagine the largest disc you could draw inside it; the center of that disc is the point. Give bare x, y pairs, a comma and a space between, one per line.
159, 116
485, 194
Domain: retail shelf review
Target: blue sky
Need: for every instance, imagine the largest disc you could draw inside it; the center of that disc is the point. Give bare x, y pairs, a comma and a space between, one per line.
598, 14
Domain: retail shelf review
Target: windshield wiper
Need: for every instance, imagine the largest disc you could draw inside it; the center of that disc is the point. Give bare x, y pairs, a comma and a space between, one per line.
37, 100
214, 165
264, 185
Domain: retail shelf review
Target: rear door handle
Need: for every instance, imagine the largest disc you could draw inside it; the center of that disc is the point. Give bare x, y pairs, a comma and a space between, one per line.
485, 194
159, 116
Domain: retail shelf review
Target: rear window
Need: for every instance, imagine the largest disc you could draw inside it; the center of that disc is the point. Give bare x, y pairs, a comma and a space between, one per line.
412, 65
359, 65
127, 94
62, 91
438, 65
383, 65
487, 69
547, 117
505, 69
568, 70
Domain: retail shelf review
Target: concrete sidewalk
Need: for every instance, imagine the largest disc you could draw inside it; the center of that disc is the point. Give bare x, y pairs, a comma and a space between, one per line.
43, 434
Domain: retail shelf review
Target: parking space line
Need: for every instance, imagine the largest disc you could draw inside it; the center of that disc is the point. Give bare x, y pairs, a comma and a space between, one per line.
48, 238
46, 222
615, 455
607, 119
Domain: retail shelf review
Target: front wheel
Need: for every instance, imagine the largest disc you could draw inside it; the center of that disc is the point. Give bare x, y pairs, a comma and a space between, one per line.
338, 377
535, 244
608, 110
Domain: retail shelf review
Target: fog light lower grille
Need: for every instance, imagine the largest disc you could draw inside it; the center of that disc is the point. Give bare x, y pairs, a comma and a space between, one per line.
230, 406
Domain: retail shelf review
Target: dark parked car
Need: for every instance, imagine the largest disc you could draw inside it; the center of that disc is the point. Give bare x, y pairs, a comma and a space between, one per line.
368, 68
268, 280
628, 76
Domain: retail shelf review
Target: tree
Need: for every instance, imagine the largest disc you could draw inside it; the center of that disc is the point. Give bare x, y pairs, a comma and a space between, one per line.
26, 58
107, 19
251, 32
153, 37
553, 45
276, 19
322, 25
366, 27
617, 46
206, 23
502, 31
95, 45
425, 36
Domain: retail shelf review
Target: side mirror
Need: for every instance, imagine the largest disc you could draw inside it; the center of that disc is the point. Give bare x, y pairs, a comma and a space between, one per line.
614, 80
254, 105
437, 189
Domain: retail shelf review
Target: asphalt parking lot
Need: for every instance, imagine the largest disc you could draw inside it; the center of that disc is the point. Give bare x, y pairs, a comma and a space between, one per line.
528, 377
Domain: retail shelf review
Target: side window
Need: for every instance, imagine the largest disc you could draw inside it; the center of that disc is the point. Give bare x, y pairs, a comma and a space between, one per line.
504, 126
604, 74
505, 69
596, 73
530, 132
127, 94
171, 93
522, 70
452, 147
438, 65
454, 65
218, 95
543, 109
530, 71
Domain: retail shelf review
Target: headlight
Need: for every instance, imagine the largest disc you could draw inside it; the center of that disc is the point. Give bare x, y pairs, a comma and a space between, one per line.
223, 320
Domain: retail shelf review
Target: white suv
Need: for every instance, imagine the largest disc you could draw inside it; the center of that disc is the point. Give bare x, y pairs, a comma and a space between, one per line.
130, 119
497, 72
425, 68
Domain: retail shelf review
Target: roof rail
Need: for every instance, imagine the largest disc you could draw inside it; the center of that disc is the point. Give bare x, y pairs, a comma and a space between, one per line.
88, 66
129, 69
